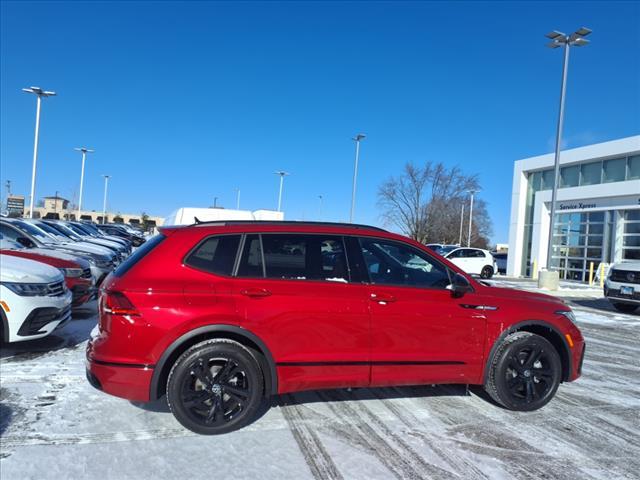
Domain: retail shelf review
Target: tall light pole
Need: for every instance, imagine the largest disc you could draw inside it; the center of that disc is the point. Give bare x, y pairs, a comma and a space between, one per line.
40, 94
471, 192
461, 222
559, 39
237, 199
359, 137
104, 201
282, 175
84, 151
320, 208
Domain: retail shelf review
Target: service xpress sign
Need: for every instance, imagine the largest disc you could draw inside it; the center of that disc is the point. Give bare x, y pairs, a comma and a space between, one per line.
599, 203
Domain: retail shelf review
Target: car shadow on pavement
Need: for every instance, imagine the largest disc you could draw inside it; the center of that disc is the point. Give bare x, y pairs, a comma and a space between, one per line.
601, 304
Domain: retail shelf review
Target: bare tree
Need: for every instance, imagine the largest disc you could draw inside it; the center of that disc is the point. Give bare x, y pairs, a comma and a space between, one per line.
425, 203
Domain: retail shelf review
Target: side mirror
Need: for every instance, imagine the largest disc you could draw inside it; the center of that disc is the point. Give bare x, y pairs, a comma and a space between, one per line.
25, 242
460, 285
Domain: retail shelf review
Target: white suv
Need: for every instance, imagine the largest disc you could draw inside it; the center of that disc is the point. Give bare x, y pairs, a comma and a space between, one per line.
622, 286
34, 300
474, 261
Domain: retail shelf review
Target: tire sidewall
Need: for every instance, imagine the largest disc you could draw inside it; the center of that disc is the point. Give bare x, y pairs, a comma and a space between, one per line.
500, 368
215, 348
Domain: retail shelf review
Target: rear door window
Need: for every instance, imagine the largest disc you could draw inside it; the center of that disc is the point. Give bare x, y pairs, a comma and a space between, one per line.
215, 254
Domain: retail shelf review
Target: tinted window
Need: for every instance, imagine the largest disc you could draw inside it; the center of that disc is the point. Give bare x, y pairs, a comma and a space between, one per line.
251, 261
398, 264
305, 257
215, 254
138, 255
456, 254
9, 233
36, 232
475, 253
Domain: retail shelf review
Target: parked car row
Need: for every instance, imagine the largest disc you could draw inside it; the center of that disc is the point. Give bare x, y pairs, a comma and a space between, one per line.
49, 266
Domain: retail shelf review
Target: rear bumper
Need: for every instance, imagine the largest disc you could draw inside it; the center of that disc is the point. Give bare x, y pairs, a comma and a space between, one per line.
119, 379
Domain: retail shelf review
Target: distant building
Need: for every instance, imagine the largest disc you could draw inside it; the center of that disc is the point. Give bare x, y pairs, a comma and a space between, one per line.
60, 208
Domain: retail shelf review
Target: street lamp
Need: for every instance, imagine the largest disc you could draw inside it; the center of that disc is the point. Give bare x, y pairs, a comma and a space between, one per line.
84, 151
40, 94
559, 39
357, 139
471, 192
237, 199
320, 208
461, 222
104, 201
282, 175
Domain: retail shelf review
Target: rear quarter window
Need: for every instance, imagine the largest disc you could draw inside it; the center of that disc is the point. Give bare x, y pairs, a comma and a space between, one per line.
215, 255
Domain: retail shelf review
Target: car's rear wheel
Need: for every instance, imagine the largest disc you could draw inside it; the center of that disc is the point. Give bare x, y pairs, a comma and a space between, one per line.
487, 272
525, 372
625, 307
215, 387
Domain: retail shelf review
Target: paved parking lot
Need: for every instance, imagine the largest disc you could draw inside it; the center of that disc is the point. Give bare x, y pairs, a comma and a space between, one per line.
54, 425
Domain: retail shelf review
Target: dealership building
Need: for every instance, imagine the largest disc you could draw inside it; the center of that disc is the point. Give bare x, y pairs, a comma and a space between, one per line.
597, 209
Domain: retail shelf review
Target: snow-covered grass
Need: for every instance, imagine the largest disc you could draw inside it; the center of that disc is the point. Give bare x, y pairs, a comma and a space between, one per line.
54, 425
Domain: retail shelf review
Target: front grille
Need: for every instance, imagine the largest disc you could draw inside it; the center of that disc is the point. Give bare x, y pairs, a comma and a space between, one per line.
86, 273
625, 276
56, 289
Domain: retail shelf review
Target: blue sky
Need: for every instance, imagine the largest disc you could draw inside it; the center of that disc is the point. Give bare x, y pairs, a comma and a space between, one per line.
187, 101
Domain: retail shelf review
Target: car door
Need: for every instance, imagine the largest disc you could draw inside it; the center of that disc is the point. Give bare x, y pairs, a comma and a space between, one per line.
458, 258
477, 260
294, 292
420, 333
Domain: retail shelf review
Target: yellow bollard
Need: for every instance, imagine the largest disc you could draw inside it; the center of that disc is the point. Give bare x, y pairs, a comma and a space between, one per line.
534, 272
591, 274
602, 275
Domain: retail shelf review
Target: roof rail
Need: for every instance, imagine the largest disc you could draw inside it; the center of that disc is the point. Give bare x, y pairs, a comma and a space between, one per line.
282, 222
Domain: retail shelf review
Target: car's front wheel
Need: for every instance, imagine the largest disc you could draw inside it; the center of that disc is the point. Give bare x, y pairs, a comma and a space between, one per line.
487, 272
625, 307
525, 372
215, 387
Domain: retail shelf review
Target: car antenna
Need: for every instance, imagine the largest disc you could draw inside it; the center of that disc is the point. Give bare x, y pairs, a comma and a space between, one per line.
197, 220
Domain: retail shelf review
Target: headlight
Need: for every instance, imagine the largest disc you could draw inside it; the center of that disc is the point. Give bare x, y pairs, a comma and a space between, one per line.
71, 272
28, 289
568, 314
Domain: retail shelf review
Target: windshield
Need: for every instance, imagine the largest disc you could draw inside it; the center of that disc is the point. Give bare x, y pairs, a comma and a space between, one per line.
90, 229
76, 229
66, 231
444, 250
51, 231
34, 231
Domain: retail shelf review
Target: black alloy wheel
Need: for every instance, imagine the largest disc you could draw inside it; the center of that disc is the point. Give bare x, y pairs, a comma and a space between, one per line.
487, 272
525, 373
215, 387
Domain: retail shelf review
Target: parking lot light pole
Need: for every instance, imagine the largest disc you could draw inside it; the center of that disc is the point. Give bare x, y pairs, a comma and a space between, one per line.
559, 39
237, 199
357, 139
461, 222
84, 151
320, 208
471, 192
104, 201
282, 175
38, 92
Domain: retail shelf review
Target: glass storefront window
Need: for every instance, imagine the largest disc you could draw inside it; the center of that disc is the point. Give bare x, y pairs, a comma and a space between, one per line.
634, 168
595, 240
631, 254
614, 170
632, 215
547, 180
596, 217
632, 227
594, 253
631, 241
569, 176
596, 228
591, 173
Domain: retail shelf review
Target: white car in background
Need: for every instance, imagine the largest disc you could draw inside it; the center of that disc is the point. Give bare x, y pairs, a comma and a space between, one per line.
34, 299
622, 286
474, 261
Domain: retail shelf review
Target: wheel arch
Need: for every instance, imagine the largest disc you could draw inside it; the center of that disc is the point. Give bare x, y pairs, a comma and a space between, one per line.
4, 327
229, 332
545, 330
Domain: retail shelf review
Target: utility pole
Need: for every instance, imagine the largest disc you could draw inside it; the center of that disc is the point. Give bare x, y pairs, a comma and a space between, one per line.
104, 200
39, 94
237, 199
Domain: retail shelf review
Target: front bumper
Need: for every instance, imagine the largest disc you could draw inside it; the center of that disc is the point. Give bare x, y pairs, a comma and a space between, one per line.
612, 292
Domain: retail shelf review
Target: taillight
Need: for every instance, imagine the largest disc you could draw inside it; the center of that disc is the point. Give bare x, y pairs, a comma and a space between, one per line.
116, 303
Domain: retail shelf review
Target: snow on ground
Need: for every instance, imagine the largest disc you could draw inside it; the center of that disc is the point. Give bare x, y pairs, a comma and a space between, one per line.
54, 425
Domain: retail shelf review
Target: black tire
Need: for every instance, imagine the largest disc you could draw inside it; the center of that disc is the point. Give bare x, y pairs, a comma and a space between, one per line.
487, 272
215, 387
625, 307
525, 372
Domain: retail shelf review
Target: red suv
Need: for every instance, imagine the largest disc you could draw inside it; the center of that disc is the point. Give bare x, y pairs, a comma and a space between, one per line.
220, 315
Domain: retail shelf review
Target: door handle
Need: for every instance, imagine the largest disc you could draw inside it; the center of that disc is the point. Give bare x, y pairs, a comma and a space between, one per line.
382, 299
255, 292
